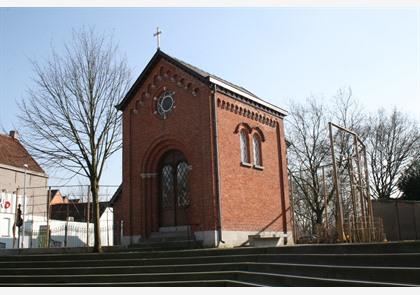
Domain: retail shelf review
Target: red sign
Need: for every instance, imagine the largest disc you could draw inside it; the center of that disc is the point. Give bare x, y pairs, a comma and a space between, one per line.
6, 203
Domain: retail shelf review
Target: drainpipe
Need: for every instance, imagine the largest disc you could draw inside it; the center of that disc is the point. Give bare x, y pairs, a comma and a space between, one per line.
281, 174
216, 165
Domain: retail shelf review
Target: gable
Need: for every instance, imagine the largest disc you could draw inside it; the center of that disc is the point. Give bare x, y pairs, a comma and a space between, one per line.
149, 68
221, 85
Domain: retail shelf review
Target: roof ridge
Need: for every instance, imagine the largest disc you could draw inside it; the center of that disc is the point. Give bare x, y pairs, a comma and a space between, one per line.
190, 65
208, 74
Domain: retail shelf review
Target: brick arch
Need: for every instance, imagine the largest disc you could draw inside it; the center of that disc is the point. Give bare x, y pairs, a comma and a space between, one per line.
149, 185
259, 132
243, 126
158, 148
155, 96
138, 104
156, 80
181, 82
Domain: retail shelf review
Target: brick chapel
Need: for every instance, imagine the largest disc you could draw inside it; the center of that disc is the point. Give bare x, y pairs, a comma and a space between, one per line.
203, 155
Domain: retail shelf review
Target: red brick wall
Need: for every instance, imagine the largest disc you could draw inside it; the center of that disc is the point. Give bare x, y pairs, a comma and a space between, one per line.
146, 136
251, 198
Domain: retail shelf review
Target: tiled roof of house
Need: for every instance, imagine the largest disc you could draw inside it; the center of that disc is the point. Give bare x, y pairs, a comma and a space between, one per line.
53, 193
116, 195
13, 153
76, 210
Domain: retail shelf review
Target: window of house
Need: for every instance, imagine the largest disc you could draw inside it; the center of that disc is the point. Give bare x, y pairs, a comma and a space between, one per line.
243, 138
256, 143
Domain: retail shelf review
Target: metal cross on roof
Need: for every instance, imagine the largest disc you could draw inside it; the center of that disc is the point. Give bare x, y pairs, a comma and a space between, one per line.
157, 35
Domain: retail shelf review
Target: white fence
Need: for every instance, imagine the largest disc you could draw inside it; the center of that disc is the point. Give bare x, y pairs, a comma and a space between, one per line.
62, 233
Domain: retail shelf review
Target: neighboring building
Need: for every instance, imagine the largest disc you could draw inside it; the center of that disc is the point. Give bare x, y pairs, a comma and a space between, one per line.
200, 153
76, 211
13, 158
57, 198
76, 214
19, 172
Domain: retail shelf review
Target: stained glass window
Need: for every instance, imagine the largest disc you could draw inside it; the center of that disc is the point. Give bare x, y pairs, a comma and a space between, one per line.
257, 150
165, 104
243, 137
167, 187
182, 185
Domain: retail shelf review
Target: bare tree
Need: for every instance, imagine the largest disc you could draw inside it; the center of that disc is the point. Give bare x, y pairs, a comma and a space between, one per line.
309, 151
393, 142
70, 118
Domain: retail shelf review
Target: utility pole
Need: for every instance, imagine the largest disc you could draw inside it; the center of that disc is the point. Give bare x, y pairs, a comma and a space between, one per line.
88, 217
48, 215
24, 205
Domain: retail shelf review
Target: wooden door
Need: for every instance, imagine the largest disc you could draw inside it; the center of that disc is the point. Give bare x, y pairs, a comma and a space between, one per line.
174, 198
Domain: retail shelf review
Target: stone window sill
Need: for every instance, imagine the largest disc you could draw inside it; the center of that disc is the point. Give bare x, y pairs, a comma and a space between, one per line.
244, 164
258, 167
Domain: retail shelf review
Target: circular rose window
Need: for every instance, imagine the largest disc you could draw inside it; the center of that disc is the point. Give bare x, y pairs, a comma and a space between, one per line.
165, 104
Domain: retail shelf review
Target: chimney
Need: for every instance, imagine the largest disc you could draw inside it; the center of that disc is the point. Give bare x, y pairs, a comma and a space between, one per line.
14, 134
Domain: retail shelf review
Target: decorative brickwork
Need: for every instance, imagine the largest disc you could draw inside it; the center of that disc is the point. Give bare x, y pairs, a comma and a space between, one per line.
216, 192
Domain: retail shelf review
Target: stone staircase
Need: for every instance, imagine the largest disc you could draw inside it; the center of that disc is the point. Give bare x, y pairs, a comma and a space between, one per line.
391, 264
168, 238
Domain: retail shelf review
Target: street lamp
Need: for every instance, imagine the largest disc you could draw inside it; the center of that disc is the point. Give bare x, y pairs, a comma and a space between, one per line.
24, 204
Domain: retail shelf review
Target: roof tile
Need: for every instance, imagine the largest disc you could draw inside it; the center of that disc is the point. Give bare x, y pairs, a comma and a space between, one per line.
13, 153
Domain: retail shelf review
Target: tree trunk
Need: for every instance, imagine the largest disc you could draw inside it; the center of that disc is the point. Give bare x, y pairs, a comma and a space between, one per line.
97, 230
319, 216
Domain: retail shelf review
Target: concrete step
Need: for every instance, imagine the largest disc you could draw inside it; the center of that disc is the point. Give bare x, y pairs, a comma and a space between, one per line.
203, 283
162, 244
285, 280
404, 275
267, 279
168, 238
398, 259
407, 275
341, 265
170, 234
131, 277
116, 252
361, 248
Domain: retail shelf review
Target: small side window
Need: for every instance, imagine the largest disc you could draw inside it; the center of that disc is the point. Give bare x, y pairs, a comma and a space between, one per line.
256, 143
243, 138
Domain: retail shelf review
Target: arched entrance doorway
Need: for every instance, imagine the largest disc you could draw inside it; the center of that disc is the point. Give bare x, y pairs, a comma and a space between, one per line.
173, 189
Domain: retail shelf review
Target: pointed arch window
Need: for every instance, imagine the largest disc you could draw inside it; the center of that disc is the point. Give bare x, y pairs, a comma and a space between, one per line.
244, 144
167, 184
183, 200
256, 144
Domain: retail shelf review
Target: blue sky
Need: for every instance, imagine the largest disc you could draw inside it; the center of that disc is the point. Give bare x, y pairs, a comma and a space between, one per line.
280, 54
